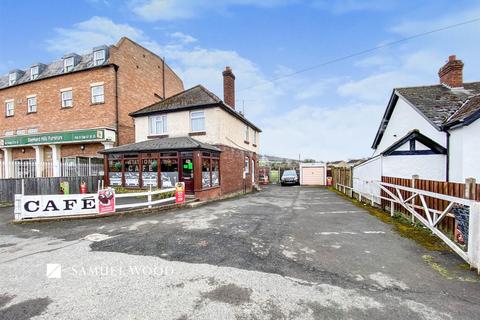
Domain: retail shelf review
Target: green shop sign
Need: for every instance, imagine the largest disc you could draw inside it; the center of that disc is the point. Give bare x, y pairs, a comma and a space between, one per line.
60, 137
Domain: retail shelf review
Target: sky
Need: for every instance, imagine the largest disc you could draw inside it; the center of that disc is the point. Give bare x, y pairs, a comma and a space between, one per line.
327, 113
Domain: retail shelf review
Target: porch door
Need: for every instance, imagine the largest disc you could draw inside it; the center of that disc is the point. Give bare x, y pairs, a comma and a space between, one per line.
187, 173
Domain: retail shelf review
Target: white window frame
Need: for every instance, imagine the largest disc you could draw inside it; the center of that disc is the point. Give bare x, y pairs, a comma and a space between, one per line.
64, 100
32, 131
247, 133
254, 137
197, 115
9, 108
34, 75
68, 64
9, 133
12, 78
31, 108
161, 121
96, 60
97, 97
247, 166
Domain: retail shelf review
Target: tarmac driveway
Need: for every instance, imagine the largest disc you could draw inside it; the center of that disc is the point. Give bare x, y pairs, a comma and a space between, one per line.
283, 253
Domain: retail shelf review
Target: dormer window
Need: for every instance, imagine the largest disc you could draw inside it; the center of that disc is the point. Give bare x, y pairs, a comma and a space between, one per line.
12, 78
99, 57
68, 64
34, 71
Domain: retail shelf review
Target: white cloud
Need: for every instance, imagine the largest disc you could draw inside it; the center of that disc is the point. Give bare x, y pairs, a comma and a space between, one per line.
85, 35
183, 38
322, 132
155, 10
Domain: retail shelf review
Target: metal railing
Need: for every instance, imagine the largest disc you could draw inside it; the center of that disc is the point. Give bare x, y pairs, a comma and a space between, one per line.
429, 217
31, 169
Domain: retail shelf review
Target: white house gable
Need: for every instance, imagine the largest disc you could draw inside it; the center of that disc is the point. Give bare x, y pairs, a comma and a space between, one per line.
403, 120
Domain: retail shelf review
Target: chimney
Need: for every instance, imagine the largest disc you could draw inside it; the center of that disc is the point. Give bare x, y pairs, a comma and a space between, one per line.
451, 74
229, 87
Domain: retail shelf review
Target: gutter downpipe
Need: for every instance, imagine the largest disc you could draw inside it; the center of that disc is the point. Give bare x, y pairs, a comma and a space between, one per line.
447, 175
117, 116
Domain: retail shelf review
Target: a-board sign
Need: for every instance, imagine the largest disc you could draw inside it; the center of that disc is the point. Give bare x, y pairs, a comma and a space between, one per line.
106, 201
180, 192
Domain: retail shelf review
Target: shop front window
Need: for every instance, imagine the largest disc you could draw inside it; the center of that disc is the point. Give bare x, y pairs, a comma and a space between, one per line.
115, 172
149, 172
206, 177
131, 173
169, 172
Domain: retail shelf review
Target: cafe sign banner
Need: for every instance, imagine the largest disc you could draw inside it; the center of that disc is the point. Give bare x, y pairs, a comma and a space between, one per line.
52, 138
57, 205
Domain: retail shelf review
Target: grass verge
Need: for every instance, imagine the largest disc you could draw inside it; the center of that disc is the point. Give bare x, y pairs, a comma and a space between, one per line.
402, 226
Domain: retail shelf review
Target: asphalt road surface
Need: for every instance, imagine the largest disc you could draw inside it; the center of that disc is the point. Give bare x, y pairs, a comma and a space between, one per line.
283, 253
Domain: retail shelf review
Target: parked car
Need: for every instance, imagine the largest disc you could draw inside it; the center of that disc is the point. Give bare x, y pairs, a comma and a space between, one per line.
289, 177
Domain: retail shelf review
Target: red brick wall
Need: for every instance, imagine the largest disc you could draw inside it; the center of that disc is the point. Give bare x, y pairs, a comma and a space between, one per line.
140, 77
91, 150
231, 170
139, 74
50, 116
28, 154
208, 194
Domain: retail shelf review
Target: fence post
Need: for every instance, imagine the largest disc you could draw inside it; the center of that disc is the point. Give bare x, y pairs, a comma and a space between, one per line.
470, 188
474, 236
392, 209
149, 197
413, 185
360, 196
17, 207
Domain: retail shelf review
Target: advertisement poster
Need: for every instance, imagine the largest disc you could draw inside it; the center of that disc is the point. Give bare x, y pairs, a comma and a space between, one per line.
180, 192
106, 201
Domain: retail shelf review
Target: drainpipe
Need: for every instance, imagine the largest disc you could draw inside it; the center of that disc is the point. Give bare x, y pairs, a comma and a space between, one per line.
163, 77
117, 136
447, 175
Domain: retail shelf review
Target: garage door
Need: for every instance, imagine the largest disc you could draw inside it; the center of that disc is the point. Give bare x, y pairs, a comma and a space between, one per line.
314, 176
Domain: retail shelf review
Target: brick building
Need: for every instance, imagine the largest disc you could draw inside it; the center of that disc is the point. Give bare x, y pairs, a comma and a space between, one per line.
58, 116
193, 137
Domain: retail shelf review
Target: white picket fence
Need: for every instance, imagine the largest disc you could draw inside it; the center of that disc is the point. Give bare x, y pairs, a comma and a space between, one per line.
148, 194
431, 218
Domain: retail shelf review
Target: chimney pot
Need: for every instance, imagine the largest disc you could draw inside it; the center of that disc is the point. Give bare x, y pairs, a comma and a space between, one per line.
229, 87
451, 74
